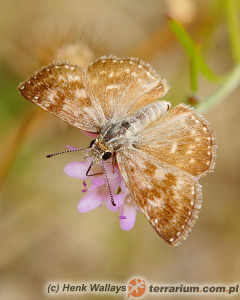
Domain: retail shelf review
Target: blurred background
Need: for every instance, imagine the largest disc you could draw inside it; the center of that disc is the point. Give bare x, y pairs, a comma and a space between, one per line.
43, 236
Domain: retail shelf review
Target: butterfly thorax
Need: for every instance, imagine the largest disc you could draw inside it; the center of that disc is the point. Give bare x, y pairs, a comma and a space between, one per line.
114, 137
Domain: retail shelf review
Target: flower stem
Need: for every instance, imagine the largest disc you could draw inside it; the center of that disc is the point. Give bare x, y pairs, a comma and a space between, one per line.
229, 86
231, 9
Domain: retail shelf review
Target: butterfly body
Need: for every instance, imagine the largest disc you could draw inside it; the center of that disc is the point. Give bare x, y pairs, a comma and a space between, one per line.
116, 136
159, 153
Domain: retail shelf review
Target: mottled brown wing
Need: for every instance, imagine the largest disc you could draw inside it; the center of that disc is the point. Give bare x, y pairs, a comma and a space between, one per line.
168, 197
123, 86
181, 138
65, 91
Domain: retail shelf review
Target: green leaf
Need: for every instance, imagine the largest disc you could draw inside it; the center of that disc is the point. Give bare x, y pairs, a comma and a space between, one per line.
194, 71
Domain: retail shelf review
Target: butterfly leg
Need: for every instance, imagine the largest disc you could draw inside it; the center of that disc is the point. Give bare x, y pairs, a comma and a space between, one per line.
113, 160
92, 174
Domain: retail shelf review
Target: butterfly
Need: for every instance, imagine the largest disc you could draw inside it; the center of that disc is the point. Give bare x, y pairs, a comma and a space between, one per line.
159, 152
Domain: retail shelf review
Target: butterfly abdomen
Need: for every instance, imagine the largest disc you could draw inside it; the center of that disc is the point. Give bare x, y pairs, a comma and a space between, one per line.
120, 134
148, 114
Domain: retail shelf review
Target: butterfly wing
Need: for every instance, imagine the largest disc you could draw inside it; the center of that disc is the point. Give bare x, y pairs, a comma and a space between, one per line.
65, 91
181, 138
123, 86
112, 89
167, 196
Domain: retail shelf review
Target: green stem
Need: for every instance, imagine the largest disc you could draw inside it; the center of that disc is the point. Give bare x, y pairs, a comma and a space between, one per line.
233, 28
229, 86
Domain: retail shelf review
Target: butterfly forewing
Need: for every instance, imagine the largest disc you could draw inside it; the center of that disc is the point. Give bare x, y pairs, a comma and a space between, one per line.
64, 90
182, 139
123, 86
168, 197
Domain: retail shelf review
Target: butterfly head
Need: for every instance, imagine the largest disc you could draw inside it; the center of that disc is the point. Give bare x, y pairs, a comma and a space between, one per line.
98, 151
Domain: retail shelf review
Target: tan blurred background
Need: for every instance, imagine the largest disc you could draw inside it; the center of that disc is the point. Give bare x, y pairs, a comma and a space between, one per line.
43, 237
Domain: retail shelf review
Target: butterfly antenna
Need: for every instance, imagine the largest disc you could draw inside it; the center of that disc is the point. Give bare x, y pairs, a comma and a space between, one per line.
58, 153
109, 187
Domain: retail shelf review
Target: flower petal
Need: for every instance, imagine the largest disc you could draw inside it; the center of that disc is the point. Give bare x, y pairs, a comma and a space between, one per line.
114, 178
77, 169
124, 187
70, 147
90, 201
118, 200
97, 181
94, 135
129, 211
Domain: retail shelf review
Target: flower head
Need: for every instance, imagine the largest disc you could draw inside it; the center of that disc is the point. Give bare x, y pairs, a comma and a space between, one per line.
97, 191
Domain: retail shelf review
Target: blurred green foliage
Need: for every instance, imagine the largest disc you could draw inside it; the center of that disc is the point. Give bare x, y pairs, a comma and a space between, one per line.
11, 103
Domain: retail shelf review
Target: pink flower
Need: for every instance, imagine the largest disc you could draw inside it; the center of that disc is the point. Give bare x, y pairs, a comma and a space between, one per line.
97, 191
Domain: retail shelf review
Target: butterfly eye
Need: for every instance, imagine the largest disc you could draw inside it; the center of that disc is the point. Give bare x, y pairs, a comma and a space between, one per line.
106, 155
92, 142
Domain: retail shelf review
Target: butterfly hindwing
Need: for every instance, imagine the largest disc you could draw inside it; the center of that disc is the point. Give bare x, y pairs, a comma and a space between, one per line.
65, 91
181, 138
167, 196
